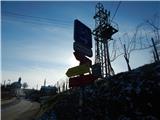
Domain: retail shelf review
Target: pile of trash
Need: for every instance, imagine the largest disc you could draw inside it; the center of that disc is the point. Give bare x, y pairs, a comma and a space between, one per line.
130, 95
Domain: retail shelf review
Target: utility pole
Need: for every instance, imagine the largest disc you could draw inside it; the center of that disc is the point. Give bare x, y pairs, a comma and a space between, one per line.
102, 35
44, 82
37, 87
155, 50
4, 83
126, 56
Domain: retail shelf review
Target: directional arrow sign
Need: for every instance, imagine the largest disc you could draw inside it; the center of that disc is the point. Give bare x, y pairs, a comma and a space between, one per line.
78, 70
82, 58
81, 80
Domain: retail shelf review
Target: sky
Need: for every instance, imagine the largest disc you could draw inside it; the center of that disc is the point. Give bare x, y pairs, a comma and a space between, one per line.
37, 37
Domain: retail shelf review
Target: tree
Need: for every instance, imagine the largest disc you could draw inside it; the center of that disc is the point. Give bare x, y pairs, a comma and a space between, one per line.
146, 36
154, 25
24, 85
128, 45
125, 45
151, 28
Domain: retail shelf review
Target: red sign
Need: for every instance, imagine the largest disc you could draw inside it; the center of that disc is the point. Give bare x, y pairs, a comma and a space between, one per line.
82, 58
81, 80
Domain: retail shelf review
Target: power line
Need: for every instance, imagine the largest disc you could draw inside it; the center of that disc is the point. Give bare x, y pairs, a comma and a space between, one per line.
34, 22
116, 10
36, 17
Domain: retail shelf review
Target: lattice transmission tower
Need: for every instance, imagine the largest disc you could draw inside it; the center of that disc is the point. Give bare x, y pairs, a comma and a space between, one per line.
102, 35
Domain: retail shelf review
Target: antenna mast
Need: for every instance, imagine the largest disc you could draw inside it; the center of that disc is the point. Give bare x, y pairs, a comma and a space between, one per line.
102, 35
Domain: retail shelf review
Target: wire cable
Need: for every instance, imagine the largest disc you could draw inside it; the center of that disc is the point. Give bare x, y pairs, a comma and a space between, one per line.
31, 21
116, 10
36, 17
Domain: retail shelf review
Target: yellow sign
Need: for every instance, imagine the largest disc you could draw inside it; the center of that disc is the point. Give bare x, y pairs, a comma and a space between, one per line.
78, 70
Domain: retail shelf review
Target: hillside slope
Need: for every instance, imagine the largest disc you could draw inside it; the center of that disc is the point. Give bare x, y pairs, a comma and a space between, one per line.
130, 95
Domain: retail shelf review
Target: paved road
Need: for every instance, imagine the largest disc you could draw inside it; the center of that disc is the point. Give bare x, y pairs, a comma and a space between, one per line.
4, 102
7, 103
24, 110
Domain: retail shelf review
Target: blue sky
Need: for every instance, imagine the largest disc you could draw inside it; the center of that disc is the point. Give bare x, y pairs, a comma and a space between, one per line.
35, 49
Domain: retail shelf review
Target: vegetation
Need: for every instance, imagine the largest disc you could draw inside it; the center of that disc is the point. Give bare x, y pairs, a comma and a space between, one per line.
127, 95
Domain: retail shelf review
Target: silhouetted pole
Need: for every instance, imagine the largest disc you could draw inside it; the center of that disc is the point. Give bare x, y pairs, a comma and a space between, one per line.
155, 50
126, 58
44, 82
81, 104
155, 60
4, 83
37, 86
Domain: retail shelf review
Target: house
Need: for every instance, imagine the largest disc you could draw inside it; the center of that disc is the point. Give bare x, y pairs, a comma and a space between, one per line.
48, 90
16, 87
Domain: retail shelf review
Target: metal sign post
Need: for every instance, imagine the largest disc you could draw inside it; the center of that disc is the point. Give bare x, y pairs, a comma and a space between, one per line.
83, 47
81, 102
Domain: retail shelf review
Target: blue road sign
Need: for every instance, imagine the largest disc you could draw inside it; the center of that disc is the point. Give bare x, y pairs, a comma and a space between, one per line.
82, 49
82, 34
